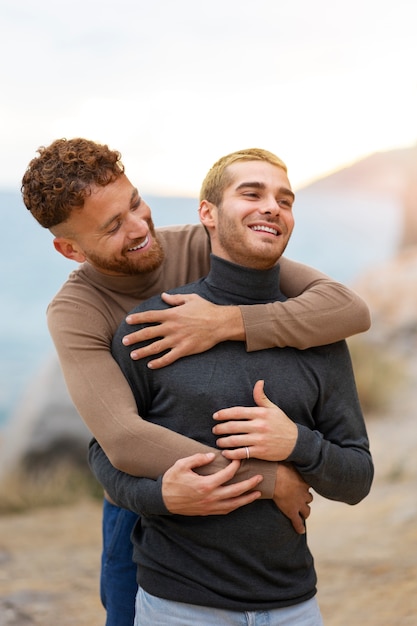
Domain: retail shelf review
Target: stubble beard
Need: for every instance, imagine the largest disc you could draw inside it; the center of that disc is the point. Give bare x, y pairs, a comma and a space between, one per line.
232, 242
135, 265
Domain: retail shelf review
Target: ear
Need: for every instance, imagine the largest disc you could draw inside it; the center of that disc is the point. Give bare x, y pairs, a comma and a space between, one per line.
69, 249
208, 214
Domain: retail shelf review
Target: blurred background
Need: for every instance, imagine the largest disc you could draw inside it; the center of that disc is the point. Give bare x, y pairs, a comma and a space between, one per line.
329, 87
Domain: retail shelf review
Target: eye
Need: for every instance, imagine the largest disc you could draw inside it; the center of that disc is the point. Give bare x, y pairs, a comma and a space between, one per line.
115, 228
136, 204
286, 204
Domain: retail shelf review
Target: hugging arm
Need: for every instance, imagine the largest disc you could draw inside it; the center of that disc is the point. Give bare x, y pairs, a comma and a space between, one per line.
104, 399
319, 311
182, 491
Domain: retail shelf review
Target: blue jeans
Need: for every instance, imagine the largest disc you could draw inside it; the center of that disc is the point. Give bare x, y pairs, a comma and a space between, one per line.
152, 611
118, 584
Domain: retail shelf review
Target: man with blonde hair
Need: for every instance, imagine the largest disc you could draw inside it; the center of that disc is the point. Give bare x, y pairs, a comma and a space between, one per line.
250, 566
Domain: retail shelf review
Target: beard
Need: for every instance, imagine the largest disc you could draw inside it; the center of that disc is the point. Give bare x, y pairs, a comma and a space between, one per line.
131, 265
232, 241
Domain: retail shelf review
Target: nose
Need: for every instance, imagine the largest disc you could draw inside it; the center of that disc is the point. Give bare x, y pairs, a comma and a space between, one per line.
270, 206
136, 226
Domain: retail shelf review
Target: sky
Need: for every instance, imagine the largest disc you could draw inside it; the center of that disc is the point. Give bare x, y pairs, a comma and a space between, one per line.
175, 84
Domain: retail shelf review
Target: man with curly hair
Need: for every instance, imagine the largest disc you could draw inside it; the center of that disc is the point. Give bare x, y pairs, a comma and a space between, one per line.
78, 189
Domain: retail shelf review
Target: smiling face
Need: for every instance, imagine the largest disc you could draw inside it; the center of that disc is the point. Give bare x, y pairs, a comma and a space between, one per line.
254, 221
113, 231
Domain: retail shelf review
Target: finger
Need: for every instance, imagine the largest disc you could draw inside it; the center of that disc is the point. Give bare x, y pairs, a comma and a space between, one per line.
163, 361
238, 441
305, 511
171, 355
173, 299
239, 426
156, 347
144, 334
147, 317
238, 453
166, 359
216, 479
298, 524
195, 460
225, 475
235, 413
238, 489
231, 504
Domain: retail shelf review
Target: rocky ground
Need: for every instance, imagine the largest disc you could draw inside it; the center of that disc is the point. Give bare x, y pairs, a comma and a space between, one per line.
366, 556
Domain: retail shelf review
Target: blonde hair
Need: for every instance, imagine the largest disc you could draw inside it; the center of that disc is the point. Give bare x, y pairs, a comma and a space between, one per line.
218, 177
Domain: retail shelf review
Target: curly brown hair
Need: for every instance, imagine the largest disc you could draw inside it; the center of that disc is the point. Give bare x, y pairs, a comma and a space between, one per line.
61, 177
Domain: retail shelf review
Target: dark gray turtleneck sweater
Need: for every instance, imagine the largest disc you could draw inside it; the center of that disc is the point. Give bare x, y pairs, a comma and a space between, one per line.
251, 559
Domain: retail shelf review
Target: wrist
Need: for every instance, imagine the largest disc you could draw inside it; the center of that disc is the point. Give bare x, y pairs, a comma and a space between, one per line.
231, 326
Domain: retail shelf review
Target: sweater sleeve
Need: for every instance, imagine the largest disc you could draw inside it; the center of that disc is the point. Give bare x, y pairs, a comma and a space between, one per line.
140, 495
104, 400
319, 311
333, 456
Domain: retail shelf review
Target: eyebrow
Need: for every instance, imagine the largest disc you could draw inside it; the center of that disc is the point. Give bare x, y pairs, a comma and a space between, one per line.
134, 195
258, 185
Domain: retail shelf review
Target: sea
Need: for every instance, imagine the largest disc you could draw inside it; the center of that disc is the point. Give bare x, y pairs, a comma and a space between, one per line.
342, 234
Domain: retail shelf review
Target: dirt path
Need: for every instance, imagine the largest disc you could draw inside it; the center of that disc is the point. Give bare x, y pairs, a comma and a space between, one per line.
49, 564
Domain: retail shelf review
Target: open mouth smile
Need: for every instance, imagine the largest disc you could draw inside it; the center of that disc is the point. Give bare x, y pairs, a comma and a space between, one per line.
266, 229
140, 245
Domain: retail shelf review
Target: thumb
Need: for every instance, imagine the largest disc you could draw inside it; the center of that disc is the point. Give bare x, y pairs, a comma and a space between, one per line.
260, 397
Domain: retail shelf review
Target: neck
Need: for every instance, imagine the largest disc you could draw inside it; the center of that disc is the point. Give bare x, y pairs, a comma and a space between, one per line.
244, 285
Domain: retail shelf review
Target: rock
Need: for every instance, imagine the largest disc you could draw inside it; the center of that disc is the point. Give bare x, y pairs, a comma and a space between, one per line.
410, 205
11, 615
45, 429
390, 291
17, 609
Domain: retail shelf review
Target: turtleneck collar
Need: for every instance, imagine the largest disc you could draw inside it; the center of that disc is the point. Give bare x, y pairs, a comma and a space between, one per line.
244, 284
